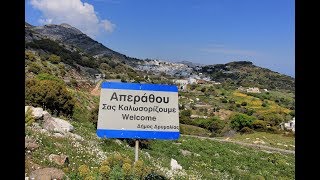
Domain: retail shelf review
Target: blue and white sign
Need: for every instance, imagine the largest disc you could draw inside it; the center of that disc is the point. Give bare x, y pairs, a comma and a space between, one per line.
138, 111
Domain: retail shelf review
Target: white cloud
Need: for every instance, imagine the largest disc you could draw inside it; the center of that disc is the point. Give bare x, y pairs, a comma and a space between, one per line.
74, 12
107, 25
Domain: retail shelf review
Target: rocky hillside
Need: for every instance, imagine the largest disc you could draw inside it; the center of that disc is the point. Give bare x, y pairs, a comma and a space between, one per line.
73, 37
245, 73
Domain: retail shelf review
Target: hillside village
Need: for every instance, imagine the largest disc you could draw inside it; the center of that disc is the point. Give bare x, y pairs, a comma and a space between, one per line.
237, 120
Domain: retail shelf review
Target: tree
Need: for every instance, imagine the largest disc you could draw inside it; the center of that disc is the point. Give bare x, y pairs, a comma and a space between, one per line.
239, 121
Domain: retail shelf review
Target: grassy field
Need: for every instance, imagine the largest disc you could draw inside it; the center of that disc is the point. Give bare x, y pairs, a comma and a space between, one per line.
206, 159
256, 103
267, 139
194, 130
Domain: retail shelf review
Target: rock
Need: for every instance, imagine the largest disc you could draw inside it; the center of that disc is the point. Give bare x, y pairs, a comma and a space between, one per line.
247, 138
174, 165
37, 113
58, 135
46, 115
57, 125
185, 152
65, 125
75, 136
59, 159
36, 126
198, 155
31, 146
52, 173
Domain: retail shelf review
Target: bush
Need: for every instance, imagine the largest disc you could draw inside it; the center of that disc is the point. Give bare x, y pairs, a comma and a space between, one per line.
244, 103
264, 104
186, 113
246, 130
155, 176
259, 125
51, 94
29, 119
239, 121
224, 100
94, 115
143, 143
34, 67
273, 119
54, 59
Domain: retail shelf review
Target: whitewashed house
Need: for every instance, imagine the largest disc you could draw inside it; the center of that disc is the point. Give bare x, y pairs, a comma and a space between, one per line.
290, 125
192, 80
182, 84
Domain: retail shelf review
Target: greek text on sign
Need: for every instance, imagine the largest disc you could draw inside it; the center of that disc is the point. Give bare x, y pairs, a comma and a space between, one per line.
139, 111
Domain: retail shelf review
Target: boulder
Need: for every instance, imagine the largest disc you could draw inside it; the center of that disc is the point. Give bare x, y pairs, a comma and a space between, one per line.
57, 125
59, 159
30, 144
52, 173
75, 136
37, 113
185, 152
58, 135
46, 115
174, 165
64, 125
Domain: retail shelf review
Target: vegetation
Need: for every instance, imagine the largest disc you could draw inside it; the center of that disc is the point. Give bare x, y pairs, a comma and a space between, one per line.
49, 94
207, 110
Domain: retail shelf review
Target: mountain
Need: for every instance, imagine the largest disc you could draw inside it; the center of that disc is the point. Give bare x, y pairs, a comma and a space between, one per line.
76, 47
73, 37
245, 73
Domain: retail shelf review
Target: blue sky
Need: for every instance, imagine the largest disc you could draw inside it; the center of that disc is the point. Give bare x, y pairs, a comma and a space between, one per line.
206, 31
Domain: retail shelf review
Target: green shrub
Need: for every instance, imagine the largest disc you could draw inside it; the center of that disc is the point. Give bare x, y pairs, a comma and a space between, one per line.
244, 103
46, 76
94, 115
29, 119
239, 121
143, 143
54, 59
273, 118
116, 173
155, 176
246, 130
259, 125
83, 170
51, 94
34, 67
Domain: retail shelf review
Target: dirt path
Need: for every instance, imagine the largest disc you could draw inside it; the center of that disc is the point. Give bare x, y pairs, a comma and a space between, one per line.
262, 147
96, 90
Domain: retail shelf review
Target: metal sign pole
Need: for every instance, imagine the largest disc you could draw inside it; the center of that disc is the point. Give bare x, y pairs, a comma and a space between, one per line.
136, 151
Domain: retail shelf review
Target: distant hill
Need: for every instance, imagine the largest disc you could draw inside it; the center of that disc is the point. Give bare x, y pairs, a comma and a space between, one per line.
245, 73
76, 47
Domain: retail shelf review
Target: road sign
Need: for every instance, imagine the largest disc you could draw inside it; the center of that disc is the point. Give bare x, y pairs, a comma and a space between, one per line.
138, 111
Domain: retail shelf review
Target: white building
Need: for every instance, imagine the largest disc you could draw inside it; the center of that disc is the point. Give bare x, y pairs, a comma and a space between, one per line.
182, 84
290, 125
192, 80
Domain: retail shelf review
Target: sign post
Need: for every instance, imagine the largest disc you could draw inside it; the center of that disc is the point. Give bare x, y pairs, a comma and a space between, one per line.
138, 111
136, 151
